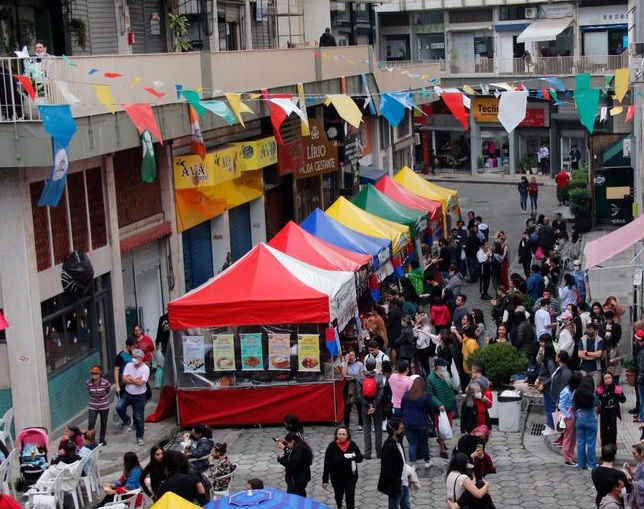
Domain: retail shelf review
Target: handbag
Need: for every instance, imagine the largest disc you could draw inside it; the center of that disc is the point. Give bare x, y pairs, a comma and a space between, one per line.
456, 378
444, 427
431, 428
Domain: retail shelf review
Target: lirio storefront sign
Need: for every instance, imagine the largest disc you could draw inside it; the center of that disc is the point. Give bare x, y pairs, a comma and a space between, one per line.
485, 110
321, 155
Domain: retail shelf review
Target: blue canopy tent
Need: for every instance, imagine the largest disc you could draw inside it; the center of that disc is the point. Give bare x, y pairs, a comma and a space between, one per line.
327, 228
369, 175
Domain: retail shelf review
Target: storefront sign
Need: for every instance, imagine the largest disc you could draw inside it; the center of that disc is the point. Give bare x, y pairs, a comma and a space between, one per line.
279, 352
485, 110
604, 15
555, 11
257, 154
191, 172
290, 157
223, 352
252, 356
193, 354
308, 352
321, 155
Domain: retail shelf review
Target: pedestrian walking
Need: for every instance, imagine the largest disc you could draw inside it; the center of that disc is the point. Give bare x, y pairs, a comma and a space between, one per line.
523, 194
340, 466
393, 480
533, 192
99, 402
296, 460
371, 391
418, 407
135, 377
610, 395
327, 39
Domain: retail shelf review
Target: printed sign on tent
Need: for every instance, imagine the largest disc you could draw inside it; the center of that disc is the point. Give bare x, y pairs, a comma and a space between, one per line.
252, 357
308, 352
223, 352
279, 352
193, 354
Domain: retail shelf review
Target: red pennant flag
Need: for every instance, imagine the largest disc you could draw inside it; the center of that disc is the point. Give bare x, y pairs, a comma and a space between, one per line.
26, 84
197, 145
154, 92
519, 87
142, 117
545, 93
630, 112
4, 324
112, 75
278, 115
454, 101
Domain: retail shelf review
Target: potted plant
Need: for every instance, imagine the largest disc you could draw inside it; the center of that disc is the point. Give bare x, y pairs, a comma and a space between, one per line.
501, 361
629, 366
579, 200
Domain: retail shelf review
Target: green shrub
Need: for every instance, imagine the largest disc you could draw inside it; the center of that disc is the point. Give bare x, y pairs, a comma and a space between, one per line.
629, 363
579, 202
501, 360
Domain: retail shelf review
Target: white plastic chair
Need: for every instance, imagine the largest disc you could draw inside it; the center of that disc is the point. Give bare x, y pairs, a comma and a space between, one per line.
72, 483
5, 429
48, 497
92, 478
6, 473
127, 499
215, 494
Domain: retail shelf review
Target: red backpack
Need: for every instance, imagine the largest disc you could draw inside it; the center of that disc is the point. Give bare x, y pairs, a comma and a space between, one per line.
369, 387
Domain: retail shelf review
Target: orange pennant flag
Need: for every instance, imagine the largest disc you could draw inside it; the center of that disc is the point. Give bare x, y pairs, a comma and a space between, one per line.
197, 145
142, 117
112, 75
26, 84
630, 112
154, 92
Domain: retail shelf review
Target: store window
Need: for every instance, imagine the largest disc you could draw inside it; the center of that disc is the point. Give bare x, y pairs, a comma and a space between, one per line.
74, 327
495, 151
470, 15
511, 13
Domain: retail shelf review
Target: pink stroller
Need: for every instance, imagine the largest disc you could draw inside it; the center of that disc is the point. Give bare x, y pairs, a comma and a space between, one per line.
32, 447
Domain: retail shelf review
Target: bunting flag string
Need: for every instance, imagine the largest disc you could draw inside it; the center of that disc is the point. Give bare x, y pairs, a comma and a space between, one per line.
197, 144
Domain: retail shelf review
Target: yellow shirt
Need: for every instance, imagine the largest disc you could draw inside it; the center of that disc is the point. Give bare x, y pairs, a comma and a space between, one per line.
468, 346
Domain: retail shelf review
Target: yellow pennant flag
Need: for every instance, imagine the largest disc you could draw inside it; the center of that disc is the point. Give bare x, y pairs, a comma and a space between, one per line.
105, 97
238, 106
346, 108
301, 101
254, 96
616, 111
135, 81
469, 90
621, 83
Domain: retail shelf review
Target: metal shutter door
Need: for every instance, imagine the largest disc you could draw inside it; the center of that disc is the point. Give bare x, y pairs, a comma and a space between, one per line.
197, 255
147, 257
102, 27
144, 41
240, 238
463, 45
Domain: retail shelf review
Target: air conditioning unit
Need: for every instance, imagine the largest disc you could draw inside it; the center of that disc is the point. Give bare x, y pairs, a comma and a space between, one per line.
530, 12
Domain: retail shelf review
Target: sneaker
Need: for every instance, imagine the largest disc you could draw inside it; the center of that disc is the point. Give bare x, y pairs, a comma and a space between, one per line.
548, 431
634, 411
359, 429
103, 443
429, 464
129, 428
140, 441
571, 463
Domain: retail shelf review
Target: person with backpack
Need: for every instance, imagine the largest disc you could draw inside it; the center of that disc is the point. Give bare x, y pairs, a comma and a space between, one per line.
370, 390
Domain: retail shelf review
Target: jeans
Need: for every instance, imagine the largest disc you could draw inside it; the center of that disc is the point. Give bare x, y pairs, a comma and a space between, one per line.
569, 438
137, 401
418, 443
91, 421
640, 391
533, 202
376, 420
400, 501
523, 201
548, 408
586, 427
473, 269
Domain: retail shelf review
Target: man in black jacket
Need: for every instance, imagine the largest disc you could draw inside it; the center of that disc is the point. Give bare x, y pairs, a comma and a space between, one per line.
393, 480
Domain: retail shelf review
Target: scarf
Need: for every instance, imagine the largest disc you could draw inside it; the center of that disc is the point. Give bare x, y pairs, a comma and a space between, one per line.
344, 447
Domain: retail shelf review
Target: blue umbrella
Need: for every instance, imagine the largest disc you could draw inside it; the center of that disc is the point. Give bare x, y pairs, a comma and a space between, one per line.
268, 498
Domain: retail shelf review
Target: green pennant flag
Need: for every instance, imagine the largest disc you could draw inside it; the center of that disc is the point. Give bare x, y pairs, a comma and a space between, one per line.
608, 79
582, 81
587, 101
148, 163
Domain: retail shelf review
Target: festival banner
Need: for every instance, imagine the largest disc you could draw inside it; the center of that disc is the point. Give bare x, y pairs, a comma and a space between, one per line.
252, 357
308, 352
193, 354
279, 352
223, 352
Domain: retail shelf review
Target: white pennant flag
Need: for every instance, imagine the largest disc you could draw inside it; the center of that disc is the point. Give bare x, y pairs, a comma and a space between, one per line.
289, 107
512, 109
63, 87
603, 113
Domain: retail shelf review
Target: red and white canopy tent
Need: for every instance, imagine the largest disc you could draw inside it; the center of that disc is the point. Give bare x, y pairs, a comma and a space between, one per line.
264, 287
610, 245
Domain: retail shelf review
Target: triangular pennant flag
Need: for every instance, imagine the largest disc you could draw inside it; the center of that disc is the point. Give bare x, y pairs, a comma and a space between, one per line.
497, 94
192, 96
346, 108
539, 94
454, 102
582, 81
238, 106
69, 61
545, 94
148, 161
278, 115
615, 111
221, 109
26, 84
485, 90
304, 124
287, 104
154, 92
369, 101
63, 87
4, 324
135, 81
112, 75
157, 84
143, 118
55, 184
587, 101
519, 87
92, 71
512, 109
22, 53
630, 112
105, 97
391, 109
58, 121
621, 83
424, 93
504, 86
553, 94
603, 113
469, 90
178, 88
608, 79
197, 145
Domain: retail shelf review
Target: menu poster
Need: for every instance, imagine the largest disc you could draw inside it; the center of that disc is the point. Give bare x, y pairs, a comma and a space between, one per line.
223, 352
252, 357
308, 352
279, 352
193, 354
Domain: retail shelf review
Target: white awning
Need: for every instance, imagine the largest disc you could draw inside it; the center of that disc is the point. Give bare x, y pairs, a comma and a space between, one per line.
544, 30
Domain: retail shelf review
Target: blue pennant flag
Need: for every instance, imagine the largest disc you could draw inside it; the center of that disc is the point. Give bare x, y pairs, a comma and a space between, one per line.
391, 109
55, 184
58, 122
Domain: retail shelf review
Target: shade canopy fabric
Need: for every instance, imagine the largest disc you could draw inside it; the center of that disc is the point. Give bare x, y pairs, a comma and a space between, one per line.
604, 248
359, 220
376, 202
395, 191
306, 247
544, 30
267, 498
330, 230
170, 500
369, 175
266, 286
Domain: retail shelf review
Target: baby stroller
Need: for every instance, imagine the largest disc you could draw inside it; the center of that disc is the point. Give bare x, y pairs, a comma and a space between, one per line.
32, 447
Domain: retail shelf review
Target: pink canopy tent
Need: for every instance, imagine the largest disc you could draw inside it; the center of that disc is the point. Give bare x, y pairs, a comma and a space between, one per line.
298, 243
604, 248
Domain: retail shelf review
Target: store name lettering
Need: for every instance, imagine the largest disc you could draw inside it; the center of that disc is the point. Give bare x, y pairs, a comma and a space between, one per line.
488, 109
225, 162
267, 150
197, 172
318, 166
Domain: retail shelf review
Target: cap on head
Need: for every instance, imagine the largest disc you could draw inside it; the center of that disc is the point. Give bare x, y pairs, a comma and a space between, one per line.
639, 334
576, 263
138, 353
439, 361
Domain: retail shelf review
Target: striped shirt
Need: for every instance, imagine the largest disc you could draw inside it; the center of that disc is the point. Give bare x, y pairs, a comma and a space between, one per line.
99, 392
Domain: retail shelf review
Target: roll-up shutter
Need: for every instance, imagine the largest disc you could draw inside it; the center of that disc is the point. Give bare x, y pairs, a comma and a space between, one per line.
147, 257
240, 237
140, 13
197, 255
463, 45
102, 27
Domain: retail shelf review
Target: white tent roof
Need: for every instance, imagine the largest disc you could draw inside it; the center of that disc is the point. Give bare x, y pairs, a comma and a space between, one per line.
544, 30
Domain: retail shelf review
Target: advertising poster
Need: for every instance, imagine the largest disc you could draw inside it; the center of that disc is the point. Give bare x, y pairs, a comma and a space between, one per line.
279, 352
193, 354
223, 352
308, 352
252, 357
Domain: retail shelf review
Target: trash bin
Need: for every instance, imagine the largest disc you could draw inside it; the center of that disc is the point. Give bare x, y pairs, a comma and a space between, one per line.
509, 410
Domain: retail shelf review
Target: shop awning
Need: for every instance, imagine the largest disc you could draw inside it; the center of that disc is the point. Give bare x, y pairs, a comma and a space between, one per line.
544, 30
144, 236
604, 248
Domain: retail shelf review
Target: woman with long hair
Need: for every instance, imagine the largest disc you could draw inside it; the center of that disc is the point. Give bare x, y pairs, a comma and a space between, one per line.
418, 406
459, 481
479, 321
566, 408
154, 469
597, 314
612, 304
425, 341
523, 193
501, 335
586, 402
340, 461
296, 460
533, 193
636, 476
610, 395
130, 480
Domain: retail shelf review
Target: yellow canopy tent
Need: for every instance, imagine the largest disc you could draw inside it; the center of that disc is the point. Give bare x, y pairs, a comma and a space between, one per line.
448, 198
345, 212
170, 500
